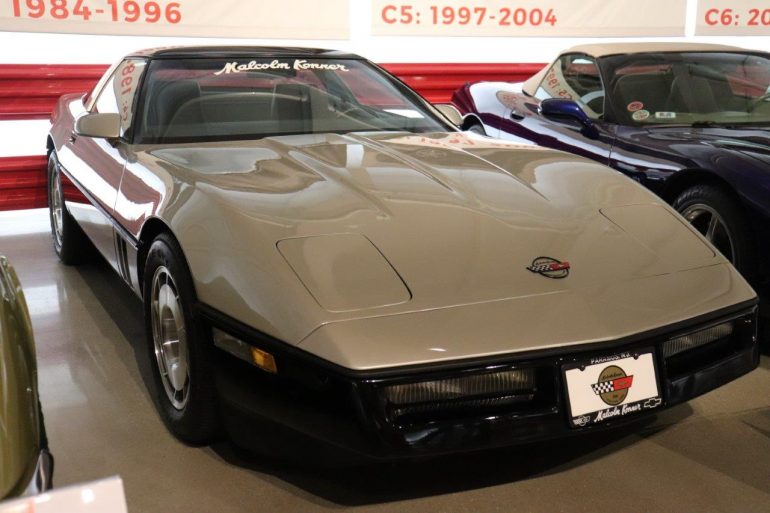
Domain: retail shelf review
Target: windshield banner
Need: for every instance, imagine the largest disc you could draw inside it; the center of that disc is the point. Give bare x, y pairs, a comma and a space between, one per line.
295, 19
556, 18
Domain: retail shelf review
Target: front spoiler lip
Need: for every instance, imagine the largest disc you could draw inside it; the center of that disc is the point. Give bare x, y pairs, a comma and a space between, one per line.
482, 434
369, 436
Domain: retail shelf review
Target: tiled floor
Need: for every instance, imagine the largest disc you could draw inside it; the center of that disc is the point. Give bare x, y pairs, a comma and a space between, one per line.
712, 454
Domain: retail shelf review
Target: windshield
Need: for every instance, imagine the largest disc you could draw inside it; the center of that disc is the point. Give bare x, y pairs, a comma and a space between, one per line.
689, 88
190, 100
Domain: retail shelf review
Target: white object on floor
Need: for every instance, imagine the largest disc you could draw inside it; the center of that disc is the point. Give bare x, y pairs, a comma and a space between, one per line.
104, 496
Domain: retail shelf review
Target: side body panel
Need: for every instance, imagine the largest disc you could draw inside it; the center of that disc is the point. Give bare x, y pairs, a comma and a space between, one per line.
20, 431
96, 166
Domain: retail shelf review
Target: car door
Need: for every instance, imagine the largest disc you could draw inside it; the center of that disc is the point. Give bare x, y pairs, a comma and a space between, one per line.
96, 165
641, 102
574, 77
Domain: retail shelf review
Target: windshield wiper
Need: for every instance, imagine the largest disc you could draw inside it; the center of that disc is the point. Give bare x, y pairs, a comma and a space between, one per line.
731, 126
710, 124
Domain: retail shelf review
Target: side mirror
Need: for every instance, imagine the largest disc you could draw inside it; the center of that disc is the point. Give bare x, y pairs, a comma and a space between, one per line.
104, 126
451, 113
559, 109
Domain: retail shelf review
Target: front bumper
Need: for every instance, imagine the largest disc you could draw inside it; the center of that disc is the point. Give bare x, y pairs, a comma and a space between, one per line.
346, 408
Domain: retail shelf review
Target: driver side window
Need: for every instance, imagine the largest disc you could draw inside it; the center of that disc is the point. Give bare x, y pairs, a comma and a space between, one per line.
575, 77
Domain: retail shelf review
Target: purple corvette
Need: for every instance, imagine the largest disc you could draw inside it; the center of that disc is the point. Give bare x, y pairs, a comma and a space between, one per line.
689, 121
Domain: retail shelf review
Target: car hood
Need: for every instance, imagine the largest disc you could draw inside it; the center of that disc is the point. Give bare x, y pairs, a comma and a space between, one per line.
753, 143
337, 228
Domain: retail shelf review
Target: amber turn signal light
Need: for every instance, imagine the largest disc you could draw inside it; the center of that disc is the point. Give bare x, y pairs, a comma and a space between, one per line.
244, 351
263, 360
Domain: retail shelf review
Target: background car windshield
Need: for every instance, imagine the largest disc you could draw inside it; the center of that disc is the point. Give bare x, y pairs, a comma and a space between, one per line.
689, 88
190, 100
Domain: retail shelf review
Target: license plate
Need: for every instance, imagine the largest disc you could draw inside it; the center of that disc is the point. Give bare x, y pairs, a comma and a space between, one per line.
612, 387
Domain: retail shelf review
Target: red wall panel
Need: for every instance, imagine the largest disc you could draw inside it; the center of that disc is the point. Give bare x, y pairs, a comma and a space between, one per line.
23, 182
437, 82
29, 91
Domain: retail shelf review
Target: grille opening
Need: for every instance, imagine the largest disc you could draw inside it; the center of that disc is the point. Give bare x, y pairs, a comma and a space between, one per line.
473, 395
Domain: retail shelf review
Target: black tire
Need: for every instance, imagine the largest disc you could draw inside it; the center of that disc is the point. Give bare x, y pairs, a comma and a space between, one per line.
735, 240
70, 244
476, 128
196, 421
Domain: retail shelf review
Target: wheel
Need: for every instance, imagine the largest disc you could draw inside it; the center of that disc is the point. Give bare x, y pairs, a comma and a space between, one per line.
70, 243
720, 219
476, 128
180, 351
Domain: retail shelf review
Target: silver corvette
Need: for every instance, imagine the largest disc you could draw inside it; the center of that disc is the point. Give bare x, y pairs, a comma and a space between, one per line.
317, 249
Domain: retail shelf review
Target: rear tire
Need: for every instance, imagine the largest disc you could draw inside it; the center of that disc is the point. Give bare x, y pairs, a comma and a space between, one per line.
179, 348
476, 128
69, 242
720, 218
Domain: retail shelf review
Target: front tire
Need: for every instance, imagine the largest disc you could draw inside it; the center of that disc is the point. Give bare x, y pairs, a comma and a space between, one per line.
180, 351
719, 218
69, 242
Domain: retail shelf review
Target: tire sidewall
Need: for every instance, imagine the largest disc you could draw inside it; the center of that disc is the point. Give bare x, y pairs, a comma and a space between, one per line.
74, 247
196, 423
734, 219
54, 174
477, 129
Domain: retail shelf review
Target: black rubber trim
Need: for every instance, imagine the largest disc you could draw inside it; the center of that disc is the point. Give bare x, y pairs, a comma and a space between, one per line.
127, 236
266, 342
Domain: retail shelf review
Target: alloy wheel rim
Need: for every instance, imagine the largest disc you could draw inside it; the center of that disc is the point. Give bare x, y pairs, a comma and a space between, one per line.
170, 338
56, 206
711, 225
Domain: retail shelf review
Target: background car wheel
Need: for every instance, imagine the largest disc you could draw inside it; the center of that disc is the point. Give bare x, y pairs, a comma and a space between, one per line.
476, 128
716, 215
180, 351
70, 243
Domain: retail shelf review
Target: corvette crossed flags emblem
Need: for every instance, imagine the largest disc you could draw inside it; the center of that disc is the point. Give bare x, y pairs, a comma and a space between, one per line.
549, 267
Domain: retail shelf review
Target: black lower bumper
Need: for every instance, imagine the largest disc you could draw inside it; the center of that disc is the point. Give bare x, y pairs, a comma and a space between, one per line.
344, 409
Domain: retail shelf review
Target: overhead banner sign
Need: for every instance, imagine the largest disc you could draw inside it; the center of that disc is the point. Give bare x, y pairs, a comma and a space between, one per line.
555, 18
732, 18
287, 19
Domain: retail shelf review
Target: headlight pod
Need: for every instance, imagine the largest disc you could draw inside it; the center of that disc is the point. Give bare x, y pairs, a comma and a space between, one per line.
697, 339
469, 395
490, 385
